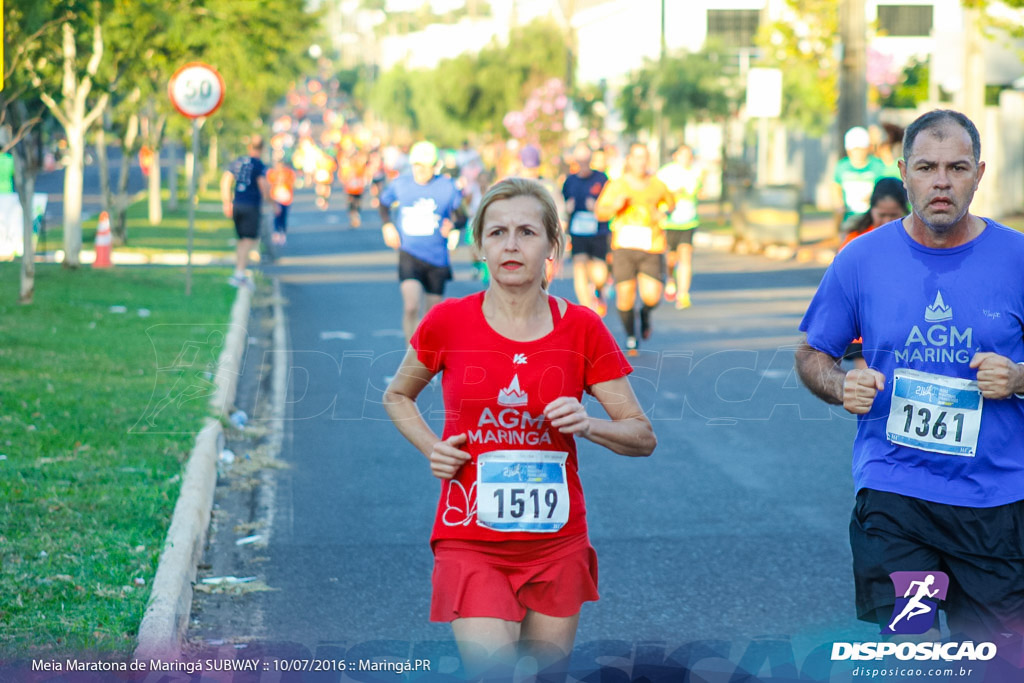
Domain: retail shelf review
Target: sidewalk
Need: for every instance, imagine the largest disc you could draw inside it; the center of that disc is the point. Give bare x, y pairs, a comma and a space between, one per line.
817, 233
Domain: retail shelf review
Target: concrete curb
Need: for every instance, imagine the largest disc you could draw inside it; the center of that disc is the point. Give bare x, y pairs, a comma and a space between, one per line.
165, 622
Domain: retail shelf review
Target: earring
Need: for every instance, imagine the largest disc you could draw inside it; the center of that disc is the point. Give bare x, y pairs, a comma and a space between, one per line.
483, 258
551, 258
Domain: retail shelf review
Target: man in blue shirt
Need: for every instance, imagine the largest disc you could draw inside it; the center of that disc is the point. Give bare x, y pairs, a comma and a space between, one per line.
938, 461
242, 188
422, 202
589, 235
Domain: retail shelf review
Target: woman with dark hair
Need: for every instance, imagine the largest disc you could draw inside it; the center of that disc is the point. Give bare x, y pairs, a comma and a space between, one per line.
513, 562
888, 203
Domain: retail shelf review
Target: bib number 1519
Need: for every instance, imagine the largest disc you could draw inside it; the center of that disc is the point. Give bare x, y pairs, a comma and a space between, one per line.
532, 503
522, 491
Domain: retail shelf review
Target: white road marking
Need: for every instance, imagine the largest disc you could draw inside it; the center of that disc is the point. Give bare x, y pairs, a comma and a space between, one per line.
338, 334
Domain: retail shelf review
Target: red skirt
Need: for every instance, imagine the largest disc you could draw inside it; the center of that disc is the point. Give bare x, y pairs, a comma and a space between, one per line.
503, 580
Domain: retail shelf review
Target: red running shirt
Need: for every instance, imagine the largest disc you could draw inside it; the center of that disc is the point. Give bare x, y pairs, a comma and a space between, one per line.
495, 390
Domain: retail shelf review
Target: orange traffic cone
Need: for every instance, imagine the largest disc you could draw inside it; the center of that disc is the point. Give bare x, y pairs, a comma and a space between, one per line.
102, 242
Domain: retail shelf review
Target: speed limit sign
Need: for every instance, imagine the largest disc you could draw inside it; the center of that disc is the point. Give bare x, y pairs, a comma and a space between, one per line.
196, 90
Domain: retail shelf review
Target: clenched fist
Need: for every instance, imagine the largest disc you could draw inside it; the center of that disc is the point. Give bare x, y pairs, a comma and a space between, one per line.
860, 388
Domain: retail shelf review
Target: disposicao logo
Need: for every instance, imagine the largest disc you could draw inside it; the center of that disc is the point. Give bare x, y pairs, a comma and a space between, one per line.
917, 605
917, 596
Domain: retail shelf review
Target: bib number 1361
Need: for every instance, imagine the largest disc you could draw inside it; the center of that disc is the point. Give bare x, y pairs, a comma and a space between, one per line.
928, 421
522, 491
934, 413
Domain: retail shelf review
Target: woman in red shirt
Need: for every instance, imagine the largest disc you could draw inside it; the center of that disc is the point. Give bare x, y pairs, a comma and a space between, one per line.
512, 560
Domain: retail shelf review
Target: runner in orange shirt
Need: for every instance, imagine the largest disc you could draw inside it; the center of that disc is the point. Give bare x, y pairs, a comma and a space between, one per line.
282, 192
636, 203
354, 176
323, 176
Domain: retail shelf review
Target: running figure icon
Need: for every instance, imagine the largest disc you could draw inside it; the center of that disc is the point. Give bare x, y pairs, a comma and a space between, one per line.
915, 608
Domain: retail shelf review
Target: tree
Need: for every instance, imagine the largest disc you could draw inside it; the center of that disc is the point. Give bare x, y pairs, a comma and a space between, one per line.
254, 46
258, 49
392, 97
151, 36
588, 101
802, 43
992, 20
20, 117
65, 88
487, 85
691, 84
912, 88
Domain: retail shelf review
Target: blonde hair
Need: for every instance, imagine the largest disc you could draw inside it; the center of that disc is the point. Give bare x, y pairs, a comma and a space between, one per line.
510, 188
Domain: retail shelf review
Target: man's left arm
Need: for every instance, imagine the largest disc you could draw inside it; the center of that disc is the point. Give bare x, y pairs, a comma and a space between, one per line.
998, 376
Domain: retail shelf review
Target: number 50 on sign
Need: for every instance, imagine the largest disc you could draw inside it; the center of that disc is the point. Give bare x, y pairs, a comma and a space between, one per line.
196, 90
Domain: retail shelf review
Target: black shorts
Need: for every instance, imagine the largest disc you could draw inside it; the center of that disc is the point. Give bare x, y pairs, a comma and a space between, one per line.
981, 549
627, 263
673, 238
594, 246
430, 276
854, 351
354, 201
247, 221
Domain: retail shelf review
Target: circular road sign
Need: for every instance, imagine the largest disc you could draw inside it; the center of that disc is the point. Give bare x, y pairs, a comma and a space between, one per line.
196, 90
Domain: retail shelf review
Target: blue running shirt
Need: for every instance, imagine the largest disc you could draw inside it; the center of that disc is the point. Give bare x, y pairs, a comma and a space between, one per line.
247, 171
417, 212
923, 310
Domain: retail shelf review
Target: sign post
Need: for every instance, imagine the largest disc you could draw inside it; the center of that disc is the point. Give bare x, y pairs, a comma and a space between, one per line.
764, 102
196, 91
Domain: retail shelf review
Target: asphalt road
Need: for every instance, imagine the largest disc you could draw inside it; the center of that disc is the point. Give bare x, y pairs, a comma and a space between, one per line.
731, 540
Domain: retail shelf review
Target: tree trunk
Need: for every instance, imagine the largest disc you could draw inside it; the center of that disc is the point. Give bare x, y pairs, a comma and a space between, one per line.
28, 162
26, 190
156, 211
106, 199
152, 128
211, 165
172, 176
119, 221
190, 166
73, 196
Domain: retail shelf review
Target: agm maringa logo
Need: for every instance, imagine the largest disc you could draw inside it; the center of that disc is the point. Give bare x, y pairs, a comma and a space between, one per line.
917, 601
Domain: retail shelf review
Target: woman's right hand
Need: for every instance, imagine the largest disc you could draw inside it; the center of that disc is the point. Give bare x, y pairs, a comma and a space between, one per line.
446, 458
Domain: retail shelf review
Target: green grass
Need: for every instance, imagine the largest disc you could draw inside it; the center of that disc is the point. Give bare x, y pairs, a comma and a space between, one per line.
91, 471
213, 232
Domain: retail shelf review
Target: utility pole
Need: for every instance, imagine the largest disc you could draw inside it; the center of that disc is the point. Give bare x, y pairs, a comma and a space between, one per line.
570, 49
661, 127
972, 93
853, 68
971, 101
